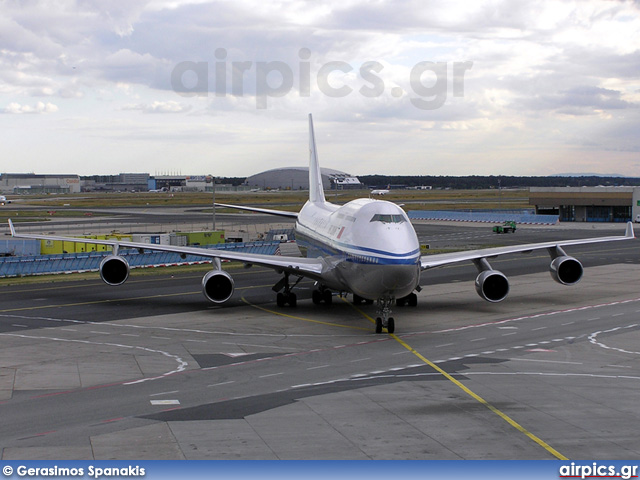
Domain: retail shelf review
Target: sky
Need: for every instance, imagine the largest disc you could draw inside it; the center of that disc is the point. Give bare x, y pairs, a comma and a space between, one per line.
406, 87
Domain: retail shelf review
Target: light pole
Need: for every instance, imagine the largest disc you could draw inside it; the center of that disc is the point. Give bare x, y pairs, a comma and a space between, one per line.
211, 179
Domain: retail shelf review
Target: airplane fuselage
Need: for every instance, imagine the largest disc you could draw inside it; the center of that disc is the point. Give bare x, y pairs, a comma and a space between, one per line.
369, 247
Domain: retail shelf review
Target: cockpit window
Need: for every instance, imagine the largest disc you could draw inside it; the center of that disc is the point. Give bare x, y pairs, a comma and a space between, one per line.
378, 217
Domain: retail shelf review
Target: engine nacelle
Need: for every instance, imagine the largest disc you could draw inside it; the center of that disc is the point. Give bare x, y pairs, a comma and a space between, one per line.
114, 270
566, 270
492, 285
217, 286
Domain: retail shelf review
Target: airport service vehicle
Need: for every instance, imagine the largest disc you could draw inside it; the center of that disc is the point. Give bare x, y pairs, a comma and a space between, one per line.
366, 247
506, 227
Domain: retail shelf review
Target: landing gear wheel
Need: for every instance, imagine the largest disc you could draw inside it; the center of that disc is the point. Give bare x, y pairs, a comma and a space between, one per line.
327, 297
292, 300
357, 299
283, 299
412, 300
378, 325
316, 297
391, 325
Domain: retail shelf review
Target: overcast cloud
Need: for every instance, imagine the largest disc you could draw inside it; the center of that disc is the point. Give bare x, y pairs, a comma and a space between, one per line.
515, 87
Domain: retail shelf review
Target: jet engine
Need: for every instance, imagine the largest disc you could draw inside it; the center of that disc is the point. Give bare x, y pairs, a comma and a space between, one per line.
217, 286
114, 270
492, 285
566, 270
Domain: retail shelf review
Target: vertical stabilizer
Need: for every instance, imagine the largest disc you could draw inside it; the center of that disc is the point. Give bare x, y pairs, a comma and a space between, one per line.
316, 192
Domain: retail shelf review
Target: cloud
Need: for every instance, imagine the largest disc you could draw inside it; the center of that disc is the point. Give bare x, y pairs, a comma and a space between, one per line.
539, 68
40, 107
159, 107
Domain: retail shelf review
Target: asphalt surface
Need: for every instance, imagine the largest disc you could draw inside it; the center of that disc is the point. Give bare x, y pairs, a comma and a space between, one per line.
152, 370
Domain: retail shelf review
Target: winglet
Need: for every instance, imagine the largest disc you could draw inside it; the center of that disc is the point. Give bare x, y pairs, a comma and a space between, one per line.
316, 191
11, 227
629, 231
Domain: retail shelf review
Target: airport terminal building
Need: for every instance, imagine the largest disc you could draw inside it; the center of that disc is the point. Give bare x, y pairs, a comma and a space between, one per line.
297, 178
588, 204
25, 183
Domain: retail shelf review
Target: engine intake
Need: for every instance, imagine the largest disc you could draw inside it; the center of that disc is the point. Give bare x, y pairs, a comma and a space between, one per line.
114, 270
492, 285
217, 286
566, 270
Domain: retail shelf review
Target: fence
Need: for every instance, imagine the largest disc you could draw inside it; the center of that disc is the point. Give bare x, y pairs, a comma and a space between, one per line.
90, 261
487, 217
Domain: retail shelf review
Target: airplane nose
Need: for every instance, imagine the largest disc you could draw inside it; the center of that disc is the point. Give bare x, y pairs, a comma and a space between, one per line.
400, 277
397, 281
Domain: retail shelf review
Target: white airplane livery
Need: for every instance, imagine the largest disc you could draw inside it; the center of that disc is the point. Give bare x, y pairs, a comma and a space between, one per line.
366, 247
381, 191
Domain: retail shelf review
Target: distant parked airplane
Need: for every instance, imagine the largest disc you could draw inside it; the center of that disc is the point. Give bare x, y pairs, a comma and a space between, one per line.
382, 191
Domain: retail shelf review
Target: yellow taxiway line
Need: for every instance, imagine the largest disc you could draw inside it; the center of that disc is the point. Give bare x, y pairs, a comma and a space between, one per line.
472, 394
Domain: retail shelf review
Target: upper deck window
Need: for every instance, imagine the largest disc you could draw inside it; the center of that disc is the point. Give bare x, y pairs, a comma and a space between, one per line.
378, 217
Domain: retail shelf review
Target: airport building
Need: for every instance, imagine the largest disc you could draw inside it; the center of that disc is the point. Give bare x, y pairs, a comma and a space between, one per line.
123, 182
588, 204
25, 183
297, 178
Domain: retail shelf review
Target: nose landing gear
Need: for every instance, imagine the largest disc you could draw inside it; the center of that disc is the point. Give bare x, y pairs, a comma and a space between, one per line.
384, 320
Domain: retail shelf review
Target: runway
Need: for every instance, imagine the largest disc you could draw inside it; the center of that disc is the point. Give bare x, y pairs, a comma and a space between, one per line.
151, 370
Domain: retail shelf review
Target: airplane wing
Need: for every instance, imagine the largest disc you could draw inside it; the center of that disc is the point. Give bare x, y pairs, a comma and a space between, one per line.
311, 267
268, 211
438, 260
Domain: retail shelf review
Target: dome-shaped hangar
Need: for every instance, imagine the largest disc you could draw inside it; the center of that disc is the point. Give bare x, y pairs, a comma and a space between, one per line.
297, 178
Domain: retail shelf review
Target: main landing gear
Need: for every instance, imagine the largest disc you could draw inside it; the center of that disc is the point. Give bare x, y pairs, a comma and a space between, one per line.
320, 295
286, 297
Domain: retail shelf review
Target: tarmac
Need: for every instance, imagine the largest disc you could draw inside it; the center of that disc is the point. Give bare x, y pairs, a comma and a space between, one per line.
551, 372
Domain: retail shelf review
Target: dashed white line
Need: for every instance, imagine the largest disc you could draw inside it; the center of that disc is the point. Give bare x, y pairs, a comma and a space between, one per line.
544, 361
163, 393
221, 383
318, 366
271, 375
165, 402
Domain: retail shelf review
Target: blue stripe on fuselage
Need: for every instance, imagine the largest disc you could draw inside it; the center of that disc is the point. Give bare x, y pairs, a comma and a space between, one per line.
410, 258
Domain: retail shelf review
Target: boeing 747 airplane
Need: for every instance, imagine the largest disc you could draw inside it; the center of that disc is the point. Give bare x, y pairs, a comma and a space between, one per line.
366, 247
